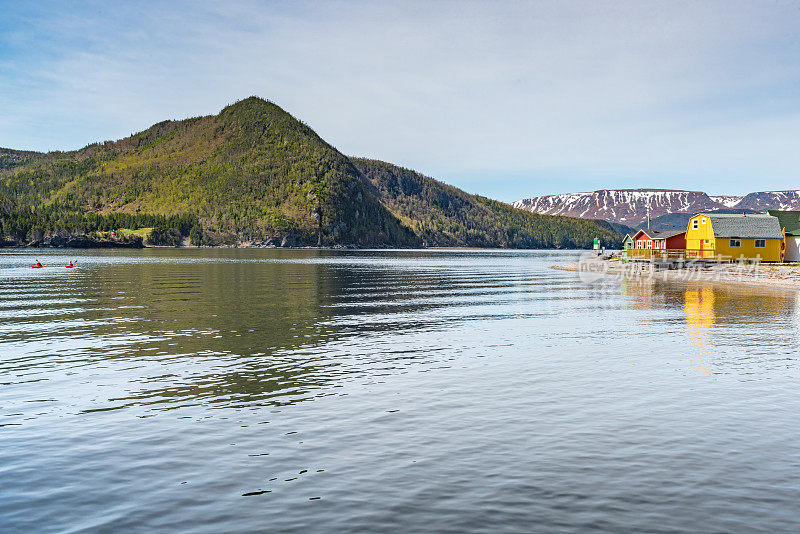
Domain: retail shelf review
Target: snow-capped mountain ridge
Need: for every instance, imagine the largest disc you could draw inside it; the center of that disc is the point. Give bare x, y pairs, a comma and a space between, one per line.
726, 200
771, 200
630, 206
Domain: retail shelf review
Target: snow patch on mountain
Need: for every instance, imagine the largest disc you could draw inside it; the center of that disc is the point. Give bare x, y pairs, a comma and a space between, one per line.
726, 200
630, 206
771, 200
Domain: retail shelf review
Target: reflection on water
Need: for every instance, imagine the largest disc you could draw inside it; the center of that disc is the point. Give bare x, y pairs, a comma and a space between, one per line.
744, 314
699, 309
245, 390
698, 305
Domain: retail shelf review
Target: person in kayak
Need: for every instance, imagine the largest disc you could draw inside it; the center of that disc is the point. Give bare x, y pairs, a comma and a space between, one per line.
70, 264
38, 265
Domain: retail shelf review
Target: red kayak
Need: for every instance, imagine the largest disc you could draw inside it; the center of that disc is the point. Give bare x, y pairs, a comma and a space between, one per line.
69, 266
36, 266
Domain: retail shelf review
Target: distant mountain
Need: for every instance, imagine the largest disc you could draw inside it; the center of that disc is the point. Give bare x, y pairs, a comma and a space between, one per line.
771, 200
630, 206
626, 206
253, 175
673, 221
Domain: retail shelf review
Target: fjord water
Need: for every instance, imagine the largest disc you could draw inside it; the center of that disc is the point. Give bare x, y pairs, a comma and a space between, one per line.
403, 391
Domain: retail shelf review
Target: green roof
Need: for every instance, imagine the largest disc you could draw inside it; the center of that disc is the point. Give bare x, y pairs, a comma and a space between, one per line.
789, 220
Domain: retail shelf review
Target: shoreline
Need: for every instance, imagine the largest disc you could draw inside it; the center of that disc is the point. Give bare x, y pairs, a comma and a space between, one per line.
106, 245
766, 276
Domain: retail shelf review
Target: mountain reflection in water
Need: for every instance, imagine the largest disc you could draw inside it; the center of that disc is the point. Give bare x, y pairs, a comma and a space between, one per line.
385, 391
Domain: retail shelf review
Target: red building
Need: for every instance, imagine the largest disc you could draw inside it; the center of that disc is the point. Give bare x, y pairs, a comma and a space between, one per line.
660, 239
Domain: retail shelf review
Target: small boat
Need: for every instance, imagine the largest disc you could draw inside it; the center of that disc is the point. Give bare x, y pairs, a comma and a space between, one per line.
36, 266
70, 266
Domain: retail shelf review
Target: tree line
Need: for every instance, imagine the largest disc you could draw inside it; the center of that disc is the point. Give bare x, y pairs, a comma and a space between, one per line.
21, 226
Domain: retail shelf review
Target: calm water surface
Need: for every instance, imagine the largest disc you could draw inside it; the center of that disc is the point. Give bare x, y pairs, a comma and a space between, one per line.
389, 391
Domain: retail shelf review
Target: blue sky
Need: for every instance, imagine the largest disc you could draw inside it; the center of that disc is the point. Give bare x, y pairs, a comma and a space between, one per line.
506, 99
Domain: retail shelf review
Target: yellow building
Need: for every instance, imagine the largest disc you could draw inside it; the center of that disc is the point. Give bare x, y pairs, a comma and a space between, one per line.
734, 237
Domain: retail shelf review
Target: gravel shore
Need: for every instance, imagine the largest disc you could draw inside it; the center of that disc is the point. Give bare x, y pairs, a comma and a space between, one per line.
771, 276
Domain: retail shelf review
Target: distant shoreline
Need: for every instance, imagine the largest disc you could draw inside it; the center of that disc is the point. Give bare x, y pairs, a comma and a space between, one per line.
769, 276
83, 245
109, 245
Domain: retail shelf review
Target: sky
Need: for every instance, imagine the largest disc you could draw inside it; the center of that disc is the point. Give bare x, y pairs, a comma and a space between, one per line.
506, 99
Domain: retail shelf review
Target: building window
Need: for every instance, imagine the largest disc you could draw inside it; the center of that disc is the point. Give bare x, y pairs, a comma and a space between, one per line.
761, 243
736, 243
704, 220
649, 244
695, 224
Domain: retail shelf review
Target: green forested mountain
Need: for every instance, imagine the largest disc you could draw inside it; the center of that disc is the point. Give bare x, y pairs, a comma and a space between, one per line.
253, 174
442, 215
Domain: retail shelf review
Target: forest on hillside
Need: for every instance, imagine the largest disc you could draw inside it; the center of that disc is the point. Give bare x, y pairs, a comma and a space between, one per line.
255, 175
442, 215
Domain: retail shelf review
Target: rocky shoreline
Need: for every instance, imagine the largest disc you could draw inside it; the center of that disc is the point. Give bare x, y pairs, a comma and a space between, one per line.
75, 242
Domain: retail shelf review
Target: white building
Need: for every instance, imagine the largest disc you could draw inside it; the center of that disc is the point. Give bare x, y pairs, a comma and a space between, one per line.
790, 223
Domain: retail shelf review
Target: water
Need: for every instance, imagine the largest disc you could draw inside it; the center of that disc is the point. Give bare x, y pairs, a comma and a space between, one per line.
389, 391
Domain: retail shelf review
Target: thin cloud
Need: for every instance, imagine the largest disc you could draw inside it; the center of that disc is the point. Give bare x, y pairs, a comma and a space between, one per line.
508, 99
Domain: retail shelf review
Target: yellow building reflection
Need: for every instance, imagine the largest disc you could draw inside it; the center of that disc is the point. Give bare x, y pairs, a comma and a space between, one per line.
698, 307
712, 317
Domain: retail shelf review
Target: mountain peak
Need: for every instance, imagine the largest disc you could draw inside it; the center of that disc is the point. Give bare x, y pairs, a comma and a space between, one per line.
256, 119
251, 103
253, 108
